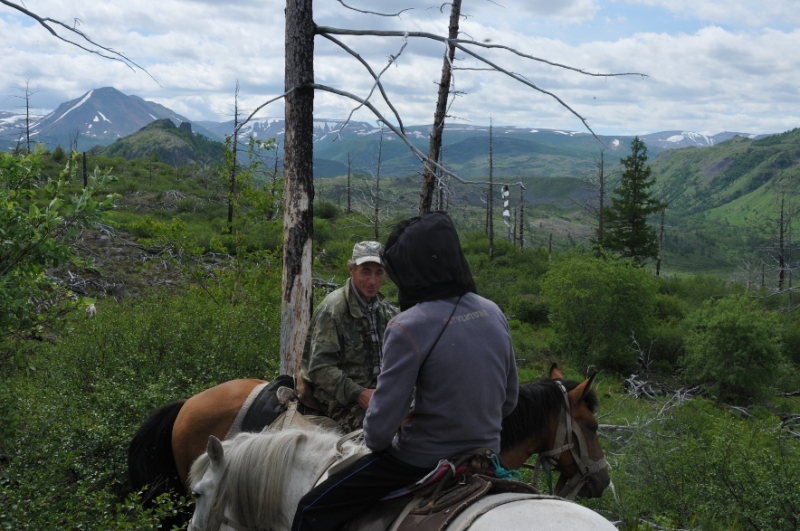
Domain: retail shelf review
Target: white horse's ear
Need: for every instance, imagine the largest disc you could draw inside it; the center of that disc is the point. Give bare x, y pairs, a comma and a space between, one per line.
214, 450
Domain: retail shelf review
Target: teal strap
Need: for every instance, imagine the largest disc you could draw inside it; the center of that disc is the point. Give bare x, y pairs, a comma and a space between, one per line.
548, 473
501, 472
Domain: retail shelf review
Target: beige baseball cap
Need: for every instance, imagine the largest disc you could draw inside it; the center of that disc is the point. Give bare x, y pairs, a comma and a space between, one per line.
367, 252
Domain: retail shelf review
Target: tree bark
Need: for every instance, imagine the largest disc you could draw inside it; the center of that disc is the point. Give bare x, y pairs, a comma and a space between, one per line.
435, 146
298, 226
349, 163
521, 217
489, 197
234, 147
377, 205
661, 242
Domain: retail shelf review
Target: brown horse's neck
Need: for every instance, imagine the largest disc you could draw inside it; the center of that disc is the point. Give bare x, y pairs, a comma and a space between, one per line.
514, 457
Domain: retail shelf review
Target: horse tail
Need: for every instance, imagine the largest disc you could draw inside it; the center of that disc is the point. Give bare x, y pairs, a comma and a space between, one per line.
150, 457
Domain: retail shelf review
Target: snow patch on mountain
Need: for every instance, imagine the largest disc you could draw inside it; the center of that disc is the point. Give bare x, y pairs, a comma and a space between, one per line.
84, 100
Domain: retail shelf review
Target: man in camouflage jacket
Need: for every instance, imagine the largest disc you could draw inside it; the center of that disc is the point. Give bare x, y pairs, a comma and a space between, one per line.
344, 347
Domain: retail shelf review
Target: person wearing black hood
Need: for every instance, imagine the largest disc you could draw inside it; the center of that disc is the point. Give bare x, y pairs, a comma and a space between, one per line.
448, 379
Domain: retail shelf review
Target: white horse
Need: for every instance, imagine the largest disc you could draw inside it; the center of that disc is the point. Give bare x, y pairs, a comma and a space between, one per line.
254, 482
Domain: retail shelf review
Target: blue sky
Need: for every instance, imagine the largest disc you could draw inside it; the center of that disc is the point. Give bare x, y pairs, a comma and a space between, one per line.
712, 65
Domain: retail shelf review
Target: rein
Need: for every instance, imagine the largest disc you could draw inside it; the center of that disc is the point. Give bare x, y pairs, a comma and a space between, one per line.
563, 442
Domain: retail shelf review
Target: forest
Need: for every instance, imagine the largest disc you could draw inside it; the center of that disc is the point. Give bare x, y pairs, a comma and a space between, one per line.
131, 287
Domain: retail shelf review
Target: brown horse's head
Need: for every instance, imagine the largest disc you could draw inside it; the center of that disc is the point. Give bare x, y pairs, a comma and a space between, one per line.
555, 418
585, 459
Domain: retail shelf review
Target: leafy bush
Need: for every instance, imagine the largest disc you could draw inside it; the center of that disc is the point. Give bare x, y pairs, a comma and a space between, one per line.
667, 345
703, 468
531, 309
38, 217
66, 424
733, 346
326, 210
791, 341
595, 306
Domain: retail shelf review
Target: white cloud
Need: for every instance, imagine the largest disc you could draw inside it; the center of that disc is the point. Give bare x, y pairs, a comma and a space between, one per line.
740, 12
709, 79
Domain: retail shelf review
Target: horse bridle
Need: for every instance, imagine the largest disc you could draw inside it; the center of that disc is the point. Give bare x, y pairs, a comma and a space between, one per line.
564, 442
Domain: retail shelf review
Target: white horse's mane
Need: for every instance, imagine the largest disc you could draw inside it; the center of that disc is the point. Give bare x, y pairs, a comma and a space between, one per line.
258, 468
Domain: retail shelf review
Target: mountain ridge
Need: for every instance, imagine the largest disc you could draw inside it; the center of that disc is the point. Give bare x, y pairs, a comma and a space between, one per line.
102, 116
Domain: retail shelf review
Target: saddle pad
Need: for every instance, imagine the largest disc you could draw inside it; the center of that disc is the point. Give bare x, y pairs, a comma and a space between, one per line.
380, 516
463, 521
437, 518
265, 407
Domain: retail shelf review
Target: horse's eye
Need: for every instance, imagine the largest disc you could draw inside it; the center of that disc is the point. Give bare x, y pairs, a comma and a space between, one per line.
592, 428
196, 494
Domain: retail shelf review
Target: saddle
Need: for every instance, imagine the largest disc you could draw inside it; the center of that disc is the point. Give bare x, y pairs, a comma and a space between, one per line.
436, 505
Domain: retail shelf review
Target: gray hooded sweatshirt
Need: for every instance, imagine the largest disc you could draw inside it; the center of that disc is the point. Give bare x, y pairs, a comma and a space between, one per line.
458, 393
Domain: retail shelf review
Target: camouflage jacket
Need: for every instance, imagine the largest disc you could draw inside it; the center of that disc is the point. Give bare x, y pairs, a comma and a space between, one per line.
337, 357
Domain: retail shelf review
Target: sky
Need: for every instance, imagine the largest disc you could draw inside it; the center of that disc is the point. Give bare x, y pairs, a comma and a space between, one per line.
706, 65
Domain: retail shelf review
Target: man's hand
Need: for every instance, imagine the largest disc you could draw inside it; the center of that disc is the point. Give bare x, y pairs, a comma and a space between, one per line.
364, 398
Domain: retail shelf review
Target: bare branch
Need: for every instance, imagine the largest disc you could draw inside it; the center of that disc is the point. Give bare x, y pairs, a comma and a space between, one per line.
46, 22
421, 156
392, 59
374, 13
532, 85
250, 116
461, 42
461, 45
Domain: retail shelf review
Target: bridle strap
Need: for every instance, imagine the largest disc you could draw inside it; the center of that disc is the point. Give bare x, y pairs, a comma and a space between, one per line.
563, 442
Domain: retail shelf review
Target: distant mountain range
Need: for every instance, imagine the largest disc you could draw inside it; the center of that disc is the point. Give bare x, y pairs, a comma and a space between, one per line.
102, 116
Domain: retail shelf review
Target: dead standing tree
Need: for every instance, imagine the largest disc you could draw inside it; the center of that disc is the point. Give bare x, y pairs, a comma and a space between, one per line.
435, 146
299, 87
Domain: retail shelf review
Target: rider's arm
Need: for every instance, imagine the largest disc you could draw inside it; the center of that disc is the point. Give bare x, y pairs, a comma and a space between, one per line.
392, 398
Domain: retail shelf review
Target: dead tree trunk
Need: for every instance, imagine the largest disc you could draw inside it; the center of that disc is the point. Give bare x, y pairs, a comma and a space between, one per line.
489, 202
781, 247
234, 147
429, 177
378, 190
349, 163
28, 94
601, 194
298, 171
660, 242
521, 217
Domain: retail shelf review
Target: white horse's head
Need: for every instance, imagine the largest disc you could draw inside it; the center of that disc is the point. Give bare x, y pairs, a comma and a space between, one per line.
205, 477
255, 480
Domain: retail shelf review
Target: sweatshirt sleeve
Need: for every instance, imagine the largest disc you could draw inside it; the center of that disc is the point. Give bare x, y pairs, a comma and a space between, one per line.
392, 398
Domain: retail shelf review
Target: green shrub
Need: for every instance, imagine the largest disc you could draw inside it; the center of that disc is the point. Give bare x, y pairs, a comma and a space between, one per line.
668, 345
326, 210
703, 468
791, 341
595, 307
531, 309
733, 346
65, 426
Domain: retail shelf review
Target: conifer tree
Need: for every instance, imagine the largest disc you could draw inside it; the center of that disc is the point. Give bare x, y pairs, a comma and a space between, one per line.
627, 231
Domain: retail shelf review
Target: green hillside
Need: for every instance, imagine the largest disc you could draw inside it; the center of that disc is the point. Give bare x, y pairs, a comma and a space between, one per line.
730, 180
173, 146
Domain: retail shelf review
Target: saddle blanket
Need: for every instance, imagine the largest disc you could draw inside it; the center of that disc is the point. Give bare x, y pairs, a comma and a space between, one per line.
477, 495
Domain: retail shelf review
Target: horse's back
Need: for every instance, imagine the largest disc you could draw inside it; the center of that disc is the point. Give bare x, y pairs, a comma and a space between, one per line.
210, 412
513, 512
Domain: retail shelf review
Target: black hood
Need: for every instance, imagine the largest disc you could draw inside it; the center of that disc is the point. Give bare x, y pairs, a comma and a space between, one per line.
423, 257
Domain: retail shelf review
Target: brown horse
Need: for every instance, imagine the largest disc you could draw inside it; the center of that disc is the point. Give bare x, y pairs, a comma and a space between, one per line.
548, 414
